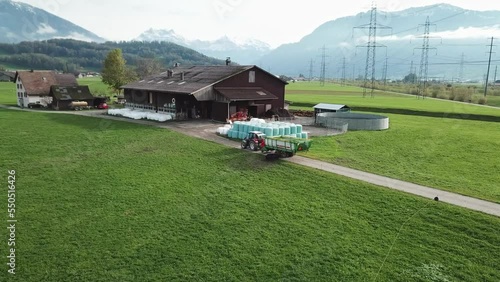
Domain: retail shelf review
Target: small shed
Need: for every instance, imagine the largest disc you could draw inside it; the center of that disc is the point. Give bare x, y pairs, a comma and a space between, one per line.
329, 108
64, 95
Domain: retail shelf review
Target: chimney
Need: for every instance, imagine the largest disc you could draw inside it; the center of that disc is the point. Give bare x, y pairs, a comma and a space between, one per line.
228, 61
32, 70
176, 64
182, 75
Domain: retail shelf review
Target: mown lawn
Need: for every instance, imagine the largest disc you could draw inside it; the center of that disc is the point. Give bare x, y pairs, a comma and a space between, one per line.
460, 156
437, 143
112, 201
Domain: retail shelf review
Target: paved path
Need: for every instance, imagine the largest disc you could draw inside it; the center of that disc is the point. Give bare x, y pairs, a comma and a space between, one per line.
206, 131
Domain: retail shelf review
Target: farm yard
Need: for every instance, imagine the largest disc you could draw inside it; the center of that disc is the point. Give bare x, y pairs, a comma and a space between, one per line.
157, 205
117, 201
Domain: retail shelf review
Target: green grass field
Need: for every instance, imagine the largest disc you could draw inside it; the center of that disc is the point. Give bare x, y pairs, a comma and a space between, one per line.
97, 87
436, 143
8, 93
113, 201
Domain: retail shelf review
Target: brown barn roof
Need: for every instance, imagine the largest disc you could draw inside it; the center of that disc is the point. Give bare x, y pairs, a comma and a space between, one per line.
39, 82
246, 93
195, 78
65, 93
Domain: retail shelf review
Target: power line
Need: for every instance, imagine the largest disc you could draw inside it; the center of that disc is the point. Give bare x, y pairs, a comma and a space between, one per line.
343, 72
322, 77
311, 70
461, 72
371, 47
424, 61
489, 64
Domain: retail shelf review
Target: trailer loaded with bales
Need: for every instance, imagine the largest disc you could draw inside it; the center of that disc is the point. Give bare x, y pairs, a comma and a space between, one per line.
275, 147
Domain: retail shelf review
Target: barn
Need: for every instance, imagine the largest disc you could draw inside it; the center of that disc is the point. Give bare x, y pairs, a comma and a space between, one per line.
33, 87
63, 96
209, 92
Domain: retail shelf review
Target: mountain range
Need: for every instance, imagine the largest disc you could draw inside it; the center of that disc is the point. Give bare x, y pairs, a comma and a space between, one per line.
23, 22
458, 43
240, 51
457, 47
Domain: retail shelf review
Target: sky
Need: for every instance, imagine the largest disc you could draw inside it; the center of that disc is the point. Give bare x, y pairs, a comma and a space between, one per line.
274, 22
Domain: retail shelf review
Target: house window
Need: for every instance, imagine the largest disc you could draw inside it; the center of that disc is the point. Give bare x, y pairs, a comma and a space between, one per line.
25, 95
251, 77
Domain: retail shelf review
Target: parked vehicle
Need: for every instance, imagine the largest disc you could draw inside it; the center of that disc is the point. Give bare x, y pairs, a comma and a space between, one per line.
103, 106
275, 147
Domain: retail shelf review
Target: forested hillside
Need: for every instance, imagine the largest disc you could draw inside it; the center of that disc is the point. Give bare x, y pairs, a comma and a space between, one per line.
72, 55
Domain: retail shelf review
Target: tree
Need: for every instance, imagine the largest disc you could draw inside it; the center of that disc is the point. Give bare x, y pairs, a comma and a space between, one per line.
115, 73
147, 67
410, 78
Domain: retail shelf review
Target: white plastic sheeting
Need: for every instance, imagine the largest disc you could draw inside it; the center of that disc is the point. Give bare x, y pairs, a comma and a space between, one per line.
224, 130
134, 114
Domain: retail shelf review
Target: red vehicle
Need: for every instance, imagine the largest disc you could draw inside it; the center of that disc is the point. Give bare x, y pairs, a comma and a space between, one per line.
103, 106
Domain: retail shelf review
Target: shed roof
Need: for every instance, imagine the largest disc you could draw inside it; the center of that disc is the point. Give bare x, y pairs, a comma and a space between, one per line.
69, 93
39, 82
246, 94
333, 107
10, 74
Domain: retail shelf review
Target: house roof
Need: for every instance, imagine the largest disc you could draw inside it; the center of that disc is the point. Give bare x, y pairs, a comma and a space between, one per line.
245, 94
39, 82
333, 107
10, 74
195, 79
68, 93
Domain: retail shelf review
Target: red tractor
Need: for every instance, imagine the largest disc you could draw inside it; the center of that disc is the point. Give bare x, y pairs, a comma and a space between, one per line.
255, 141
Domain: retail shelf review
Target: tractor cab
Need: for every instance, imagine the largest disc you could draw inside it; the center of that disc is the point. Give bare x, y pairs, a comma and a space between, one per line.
254, 140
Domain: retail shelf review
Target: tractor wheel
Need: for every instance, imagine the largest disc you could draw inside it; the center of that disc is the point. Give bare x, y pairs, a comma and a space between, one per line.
244, 144
253, 146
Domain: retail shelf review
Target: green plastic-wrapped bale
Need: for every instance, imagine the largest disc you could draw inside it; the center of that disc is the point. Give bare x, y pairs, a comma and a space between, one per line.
299, 128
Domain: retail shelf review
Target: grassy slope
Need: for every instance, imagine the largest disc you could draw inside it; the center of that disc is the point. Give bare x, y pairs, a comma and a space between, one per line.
432, 144
114, 201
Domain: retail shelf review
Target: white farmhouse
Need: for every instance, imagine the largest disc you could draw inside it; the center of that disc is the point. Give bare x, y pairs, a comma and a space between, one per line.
33, 87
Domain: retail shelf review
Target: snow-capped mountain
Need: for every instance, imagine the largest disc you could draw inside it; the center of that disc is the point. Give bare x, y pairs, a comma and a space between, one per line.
242, 51
23, 22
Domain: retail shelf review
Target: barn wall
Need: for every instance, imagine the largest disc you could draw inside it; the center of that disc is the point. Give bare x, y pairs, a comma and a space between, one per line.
219, 111
263, 80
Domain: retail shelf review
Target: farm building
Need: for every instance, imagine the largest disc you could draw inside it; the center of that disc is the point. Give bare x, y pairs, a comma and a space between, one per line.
33, 87
211, 92
63, 96
7, 76
329, 108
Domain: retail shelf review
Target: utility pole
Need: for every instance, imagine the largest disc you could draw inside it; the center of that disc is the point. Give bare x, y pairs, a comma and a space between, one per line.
384, 72
461, 72
495, 79
322, 77
489, 64
311, 70
343, 72
424, 61
371, 47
